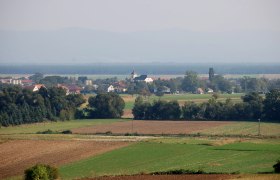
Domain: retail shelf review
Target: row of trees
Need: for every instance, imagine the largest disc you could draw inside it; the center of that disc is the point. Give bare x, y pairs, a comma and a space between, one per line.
158, 110
19, 106
253, 107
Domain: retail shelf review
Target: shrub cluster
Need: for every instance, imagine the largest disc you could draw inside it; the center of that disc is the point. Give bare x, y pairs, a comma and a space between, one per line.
42, 172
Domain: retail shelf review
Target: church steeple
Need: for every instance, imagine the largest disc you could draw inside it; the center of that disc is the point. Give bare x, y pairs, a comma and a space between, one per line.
133, 74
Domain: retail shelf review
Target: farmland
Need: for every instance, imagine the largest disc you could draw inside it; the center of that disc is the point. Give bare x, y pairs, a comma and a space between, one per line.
148, 157
17, 155
82, 155
183, 127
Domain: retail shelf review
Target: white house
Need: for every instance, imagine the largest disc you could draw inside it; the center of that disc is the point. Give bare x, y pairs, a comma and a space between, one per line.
35, 87
110, 88
209, 90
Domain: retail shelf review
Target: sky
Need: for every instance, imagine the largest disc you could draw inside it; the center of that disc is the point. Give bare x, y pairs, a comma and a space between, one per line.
141, 15
232, 17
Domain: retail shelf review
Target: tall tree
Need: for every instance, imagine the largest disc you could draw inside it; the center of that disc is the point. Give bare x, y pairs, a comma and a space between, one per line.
106, 105
190, 82
272, 105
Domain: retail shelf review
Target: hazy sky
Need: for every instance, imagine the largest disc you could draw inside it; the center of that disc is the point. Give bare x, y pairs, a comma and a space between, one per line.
141, 15
92, 31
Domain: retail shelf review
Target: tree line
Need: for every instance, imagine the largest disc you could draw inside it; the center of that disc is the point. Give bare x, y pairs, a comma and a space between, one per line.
21, 106
252, 107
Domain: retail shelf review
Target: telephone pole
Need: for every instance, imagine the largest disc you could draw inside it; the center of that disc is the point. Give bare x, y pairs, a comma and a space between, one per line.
259, 131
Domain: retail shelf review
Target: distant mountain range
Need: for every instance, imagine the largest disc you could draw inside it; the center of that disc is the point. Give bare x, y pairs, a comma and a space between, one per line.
78, 46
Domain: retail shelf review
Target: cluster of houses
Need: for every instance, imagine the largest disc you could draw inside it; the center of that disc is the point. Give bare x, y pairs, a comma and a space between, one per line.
30, 84
119, 87
74, 88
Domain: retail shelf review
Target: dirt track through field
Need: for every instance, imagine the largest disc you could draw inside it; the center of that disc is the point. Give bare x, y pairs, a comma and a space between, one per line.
151, 127
17, 155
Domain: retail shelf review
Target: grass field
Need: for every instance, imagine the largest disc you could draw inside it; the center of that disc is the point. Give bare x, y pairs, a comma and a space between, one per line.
54, 126
147, 157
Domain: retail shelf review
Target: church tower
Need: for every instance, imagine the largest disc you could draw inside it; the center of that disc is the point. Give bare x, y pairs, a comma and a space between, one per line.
133, 75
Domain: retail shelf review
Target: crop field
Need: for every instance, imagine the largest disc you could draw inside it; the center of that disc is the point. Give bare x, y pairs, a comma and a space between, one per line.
183, 127
18, 155
82, 155
151, 127
148, 157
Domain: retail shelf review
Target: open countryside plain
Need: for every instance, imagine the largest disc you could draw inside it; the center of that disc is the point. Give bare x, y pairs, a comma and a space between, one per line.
78, 155
100, 147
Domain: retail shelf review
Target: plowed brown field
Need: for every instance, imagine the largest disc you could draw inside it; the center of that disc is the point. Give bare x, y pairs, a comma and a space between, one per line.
17, 155
151, 127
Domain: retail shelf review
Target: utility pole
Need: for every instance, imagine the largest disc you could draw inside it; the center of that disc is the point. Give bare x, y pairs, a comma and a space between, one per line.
132, 126
259, 132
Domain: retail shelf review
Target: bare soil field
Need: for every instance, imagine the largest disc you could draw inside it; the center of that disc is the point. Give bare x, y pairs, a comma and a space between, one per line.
169, 177
151, 127
18, 155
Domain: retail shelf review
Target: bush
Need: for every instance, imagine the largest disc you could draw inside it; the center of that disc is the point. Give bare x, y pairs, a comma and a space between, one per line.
41, 172
277, 167
49, 131
67, 132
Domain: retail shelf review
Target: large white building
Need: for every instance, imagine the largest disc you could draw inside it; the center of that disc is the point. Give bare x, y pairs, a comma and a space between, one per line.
142, 78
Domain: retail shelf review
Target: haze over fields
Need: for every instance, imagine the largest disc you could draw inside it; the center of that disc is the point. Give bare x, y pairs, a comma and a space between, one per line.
160, 31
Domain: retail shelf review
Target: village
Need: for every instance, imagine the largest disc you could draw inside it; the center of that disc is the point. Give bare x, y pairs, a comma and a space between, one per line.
133, 84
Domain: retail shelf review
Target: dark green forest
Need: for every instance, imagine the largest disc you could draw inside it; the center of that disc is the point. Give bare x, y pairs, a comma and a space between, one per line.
21, 106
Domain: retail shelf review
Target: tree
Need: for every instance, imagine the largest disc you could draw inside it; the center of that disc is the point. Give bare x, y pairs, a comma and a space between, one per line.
219, 83
106, 105
272, 105
254, 105
141, 108
36, 77
41, 172
277, 167
254, 84
191, 111
190, 82
19, 106
159, 91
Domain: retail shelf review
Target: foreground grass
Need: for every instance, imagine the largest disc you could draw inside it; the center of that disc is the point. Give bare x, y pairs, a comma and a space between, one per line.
54, 126
147, 157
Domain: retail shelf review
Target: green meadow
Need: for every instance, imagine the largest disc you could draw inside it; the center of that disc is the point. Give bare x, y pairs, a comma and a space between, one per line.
54, 126
149, 157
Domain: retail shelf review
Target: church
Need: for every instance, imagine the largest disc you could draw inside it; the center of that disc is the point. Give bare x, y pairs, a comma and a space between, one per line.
142, 78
